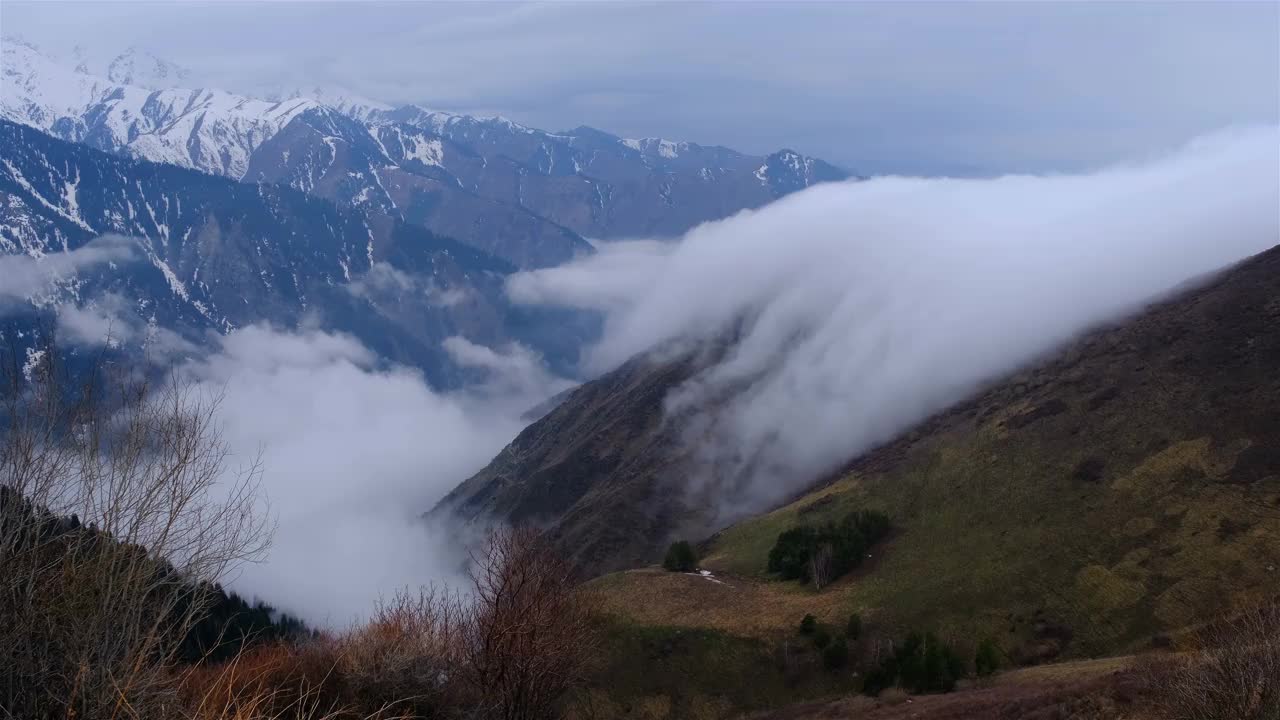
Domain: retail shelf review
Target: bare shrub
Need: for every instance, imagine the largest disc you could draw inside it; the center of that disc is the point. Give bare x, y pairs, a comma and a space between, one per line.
114, 507
1235, 673
526, 634
512, 648
118, 512
407, 654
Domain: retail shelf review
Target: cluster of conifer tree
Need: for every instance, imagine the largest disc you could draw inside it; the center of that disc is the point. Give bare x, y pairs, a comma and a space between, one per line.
919, 664
823, 553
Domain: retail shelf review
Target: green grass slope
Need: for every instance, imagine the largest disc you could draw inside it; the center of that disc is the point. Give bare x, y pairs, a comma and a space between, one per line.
1128, 488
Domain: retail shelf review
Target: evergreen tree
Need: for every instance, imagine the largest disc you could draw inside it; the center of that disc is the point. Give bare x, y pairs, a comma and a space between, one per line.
790, 554
987, 659
854, 629
680, 557
826, 552
921, 664
836, 655
821, 638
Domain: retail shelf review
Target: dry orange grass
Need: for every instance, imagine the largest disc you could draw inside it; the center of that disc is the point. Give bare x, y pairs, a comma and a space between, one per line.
391, 667
271, 681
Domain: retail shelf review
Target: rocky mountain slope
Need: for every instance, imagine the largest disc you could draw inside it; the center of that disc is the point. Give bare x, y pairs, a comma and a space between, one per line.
208, 253
205, 129
526, 195
399, 171
601, 470
606, 187
1127, 487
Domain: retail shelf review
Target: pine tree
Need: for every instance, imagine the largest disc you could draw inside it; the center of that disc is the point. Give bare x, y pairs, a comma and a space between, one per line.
680, 557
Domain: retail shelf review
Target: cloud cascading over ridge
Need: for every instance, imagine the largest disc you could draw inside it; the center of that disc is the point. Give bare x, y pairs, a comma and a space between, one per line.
864, 307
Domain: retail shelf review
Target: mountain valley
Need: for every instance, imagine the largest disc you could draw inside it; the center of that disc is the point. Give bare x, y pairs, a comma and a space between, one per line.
317, 402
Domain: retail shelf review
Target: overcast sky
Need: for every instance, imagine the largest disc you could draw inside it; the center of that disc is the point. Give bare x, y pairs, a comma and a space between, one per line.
902, 87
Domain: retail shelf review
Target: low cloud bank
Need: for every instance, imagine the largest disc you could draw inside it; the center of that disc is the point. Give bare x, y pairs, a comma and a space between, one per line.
861, 308
28, 279
354, 452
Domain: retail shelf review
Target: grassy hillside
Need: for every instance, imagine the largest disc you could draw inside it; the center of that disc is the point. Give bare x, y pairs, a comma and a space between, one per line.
1107, 500
1128, 488
1110, 689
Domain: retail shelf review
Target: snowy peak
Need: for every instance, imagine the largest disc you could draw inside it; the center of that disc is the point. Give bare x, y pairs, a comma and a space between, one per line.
348, 103
36, 91
658, 147
787, 171
209, 130
141, 68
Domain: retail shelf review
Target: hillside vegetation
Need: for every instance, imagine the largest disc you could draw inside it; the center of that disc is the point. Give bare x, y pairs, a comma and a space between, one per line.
1109, 500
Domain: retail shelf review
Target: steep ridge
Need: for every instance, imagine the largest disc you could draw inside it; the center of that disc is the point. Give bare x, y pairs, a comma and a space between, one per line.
1128, 487
606, 187
214, 254
400, 171
594, 470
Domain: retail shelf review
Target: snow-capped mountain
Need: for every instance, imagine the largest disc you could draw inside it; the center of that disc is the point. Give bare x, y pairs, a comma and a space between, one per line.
517, 191
603, 186
525, 195
400, 171
208, 130
36, 91
141, 68
347, 102
206, 253
135, 66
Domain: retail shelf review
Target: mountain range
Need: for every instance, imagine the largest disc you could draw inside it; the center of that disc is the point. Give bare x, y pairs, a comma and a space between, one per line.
205, 253
1104, 499
528, 196
399, 225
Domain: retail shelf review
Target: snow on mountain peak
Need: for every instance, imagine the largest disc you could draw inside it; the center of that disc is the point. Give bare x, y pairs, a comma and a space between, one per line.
345, 101
656, 146
209, 130
37, 91
141, 68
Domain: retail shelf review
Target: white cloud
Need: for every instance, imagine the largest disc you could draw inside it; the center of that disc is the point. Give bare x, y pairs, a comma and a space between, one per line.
112, 320
24, 277
514, 375
384, 281
100, 322
864, 307
354, 450
354, 453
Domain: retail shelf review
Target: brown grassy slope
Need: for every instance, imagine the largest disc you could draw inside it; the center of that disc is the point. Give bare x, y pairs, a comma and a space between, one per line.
1127, 488
1083, 690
